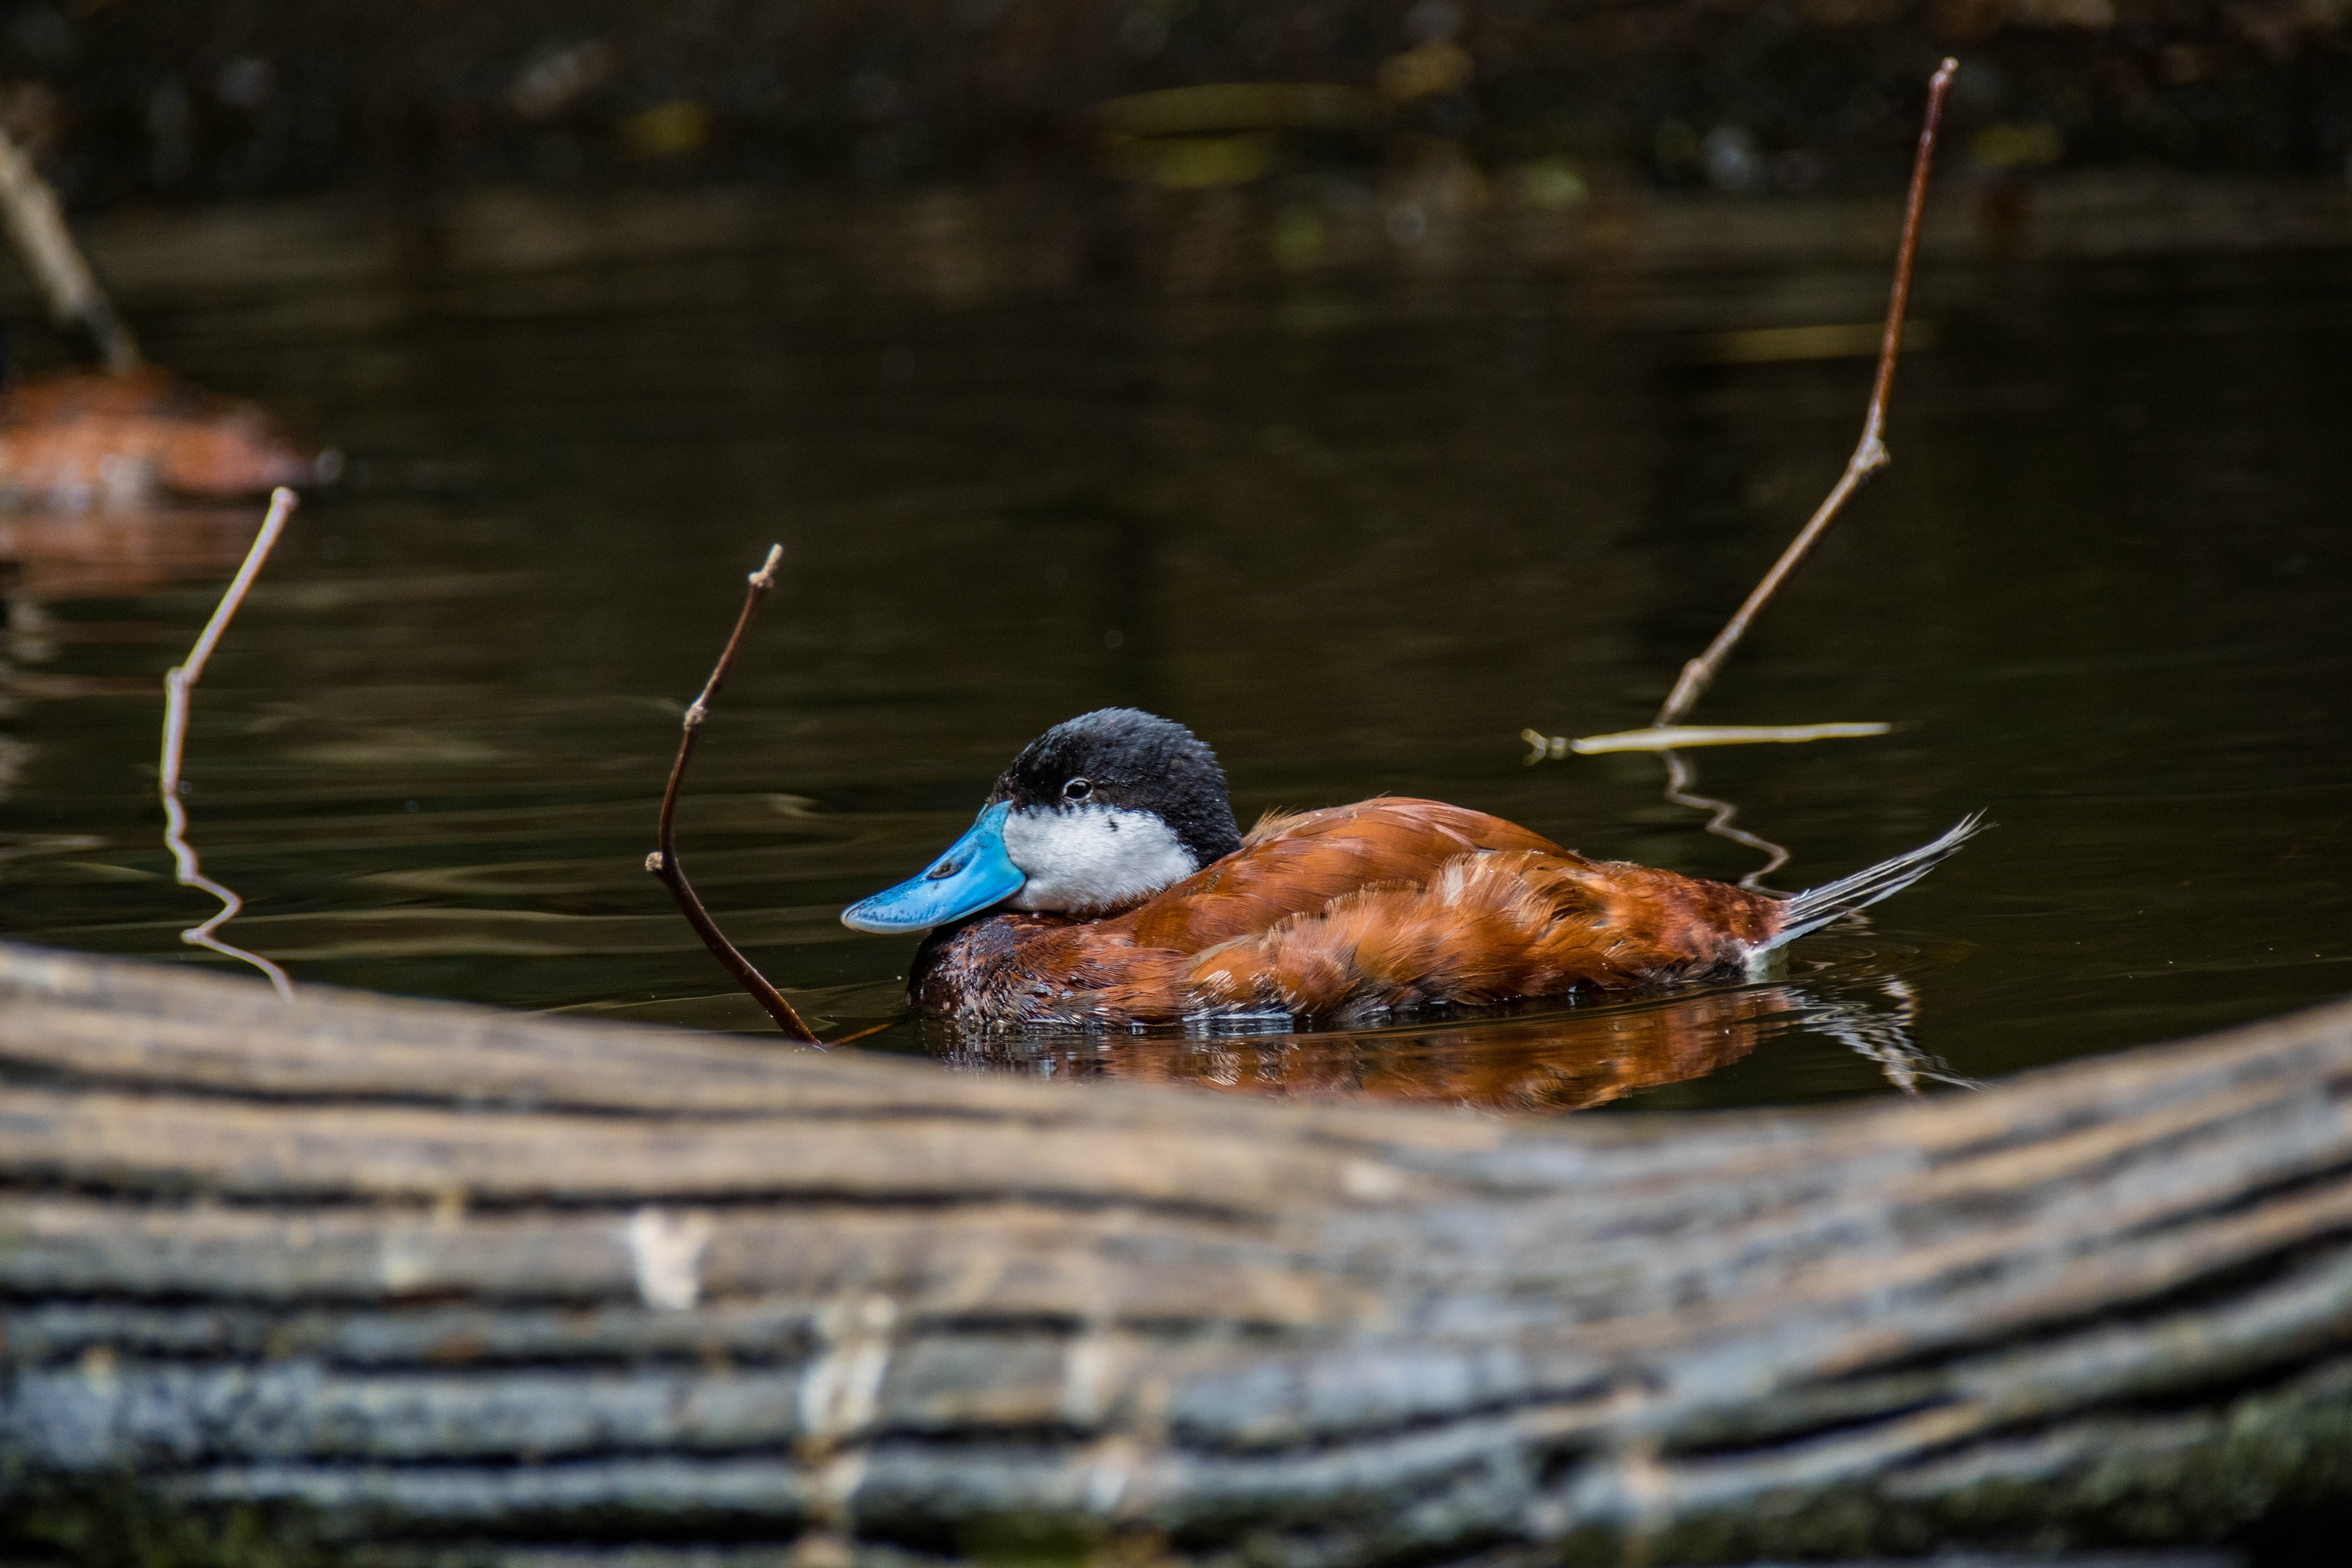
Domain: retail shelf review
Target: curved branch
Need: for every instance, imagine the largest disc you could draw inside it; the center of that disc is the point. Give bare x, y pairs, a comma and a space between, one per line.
664, 862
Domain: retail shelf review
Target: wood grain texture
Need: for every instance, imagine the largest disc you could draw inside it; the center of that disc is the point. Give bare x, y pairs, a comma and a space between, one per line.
441, 1278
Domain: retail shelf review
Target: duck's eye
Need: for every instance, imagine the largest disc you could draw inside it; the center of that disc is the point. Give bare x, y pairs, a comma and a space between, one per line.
1078, 789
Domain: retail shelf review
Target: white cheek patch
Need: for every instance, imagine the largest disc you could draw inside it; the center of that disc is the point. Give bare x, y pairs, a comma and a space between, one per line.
1092, 857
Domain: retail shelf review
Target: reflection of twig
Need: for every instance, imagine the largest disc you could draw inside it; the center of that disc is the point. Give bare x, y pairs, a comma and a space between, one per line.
663, 862
1680, 776
1885, 1038
30, 209
177, 683
1869, 453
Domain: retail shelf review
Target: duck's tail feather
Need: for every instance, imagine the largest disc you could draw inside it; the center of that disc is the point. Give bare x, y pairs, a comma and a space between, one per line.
1816, 907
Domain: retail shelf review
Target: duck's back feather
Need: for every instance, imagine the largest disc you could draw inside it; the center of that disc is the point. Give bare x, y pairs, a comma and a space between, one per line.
1297, 864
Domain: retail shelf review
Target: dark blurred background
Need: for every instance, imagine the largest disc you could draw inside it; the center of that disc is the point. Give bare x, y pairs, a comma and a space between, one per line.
174, 100
1360, 383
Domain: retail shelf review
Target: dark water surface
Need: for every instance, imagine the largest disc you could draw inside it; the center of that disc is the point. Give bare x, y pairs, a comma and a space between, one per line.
1358, 537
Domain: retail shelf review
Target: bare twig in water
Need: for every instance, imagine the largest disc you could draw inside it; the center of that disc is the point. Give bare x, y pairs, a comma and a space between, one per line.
663, 862
1869, 453
38, 228
177, 684
1667, 731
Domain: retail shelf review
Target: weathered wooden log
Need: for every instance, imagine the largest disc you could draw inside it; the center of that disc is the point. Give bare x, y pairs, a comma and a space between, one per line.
439, 1279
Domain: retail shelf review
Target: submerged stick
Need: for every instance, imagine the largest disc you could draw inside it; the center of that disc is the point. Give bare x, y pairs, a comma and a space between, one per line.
1869, 454
177, 683
30, 209
663, 862
1721, 814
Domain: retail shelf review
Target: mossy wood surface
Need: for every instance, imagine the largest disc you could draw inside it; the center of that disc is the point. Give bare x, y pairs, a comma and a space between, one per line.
453, 1278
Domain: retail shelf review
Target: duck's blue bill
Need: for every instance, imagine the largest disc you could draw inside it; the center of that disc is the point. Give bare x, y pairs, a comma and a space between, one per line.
974, 873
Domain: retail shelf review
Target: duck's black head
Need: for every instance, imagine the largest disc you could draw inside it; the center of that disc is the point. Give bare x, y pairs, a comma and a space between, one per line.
1095, 815
1116, 774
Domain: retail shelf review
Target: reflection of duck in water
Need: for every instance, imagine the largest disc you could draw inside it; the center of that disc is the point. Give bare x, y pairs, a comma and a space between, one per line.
1565, 1058
1125, 893
59, 552
1546, 1062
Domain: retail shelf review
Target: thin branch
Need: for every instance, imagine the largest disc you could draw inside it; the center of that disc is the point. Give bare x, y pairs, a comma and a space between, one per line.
1869, 453
664, 862
29, 208
177, 683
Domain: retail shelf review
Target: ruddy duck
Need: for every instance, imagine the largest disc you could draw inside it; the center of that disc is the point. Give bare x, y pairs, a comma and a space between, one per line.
121, 436
1106, 882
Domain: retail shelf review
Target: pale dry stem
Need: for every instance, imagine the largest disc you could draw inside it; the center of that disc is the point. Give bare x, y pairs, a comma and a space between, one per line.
1675, 737
37, 227
177, 684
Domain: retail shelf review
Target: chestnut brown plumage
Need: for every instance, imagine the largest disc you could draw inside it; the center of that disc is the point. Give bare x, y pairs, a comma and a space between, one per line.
132, 434
1349, 912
